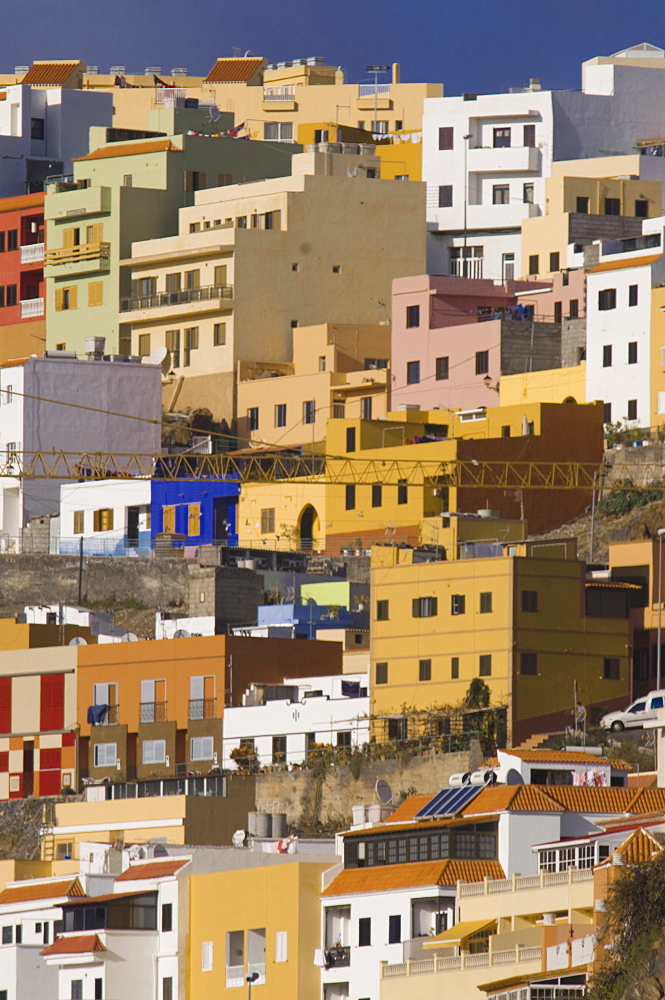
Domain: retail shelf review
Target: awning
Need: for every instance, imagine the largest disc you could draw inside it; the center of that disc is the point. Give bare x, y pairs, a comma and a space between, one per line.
457, 934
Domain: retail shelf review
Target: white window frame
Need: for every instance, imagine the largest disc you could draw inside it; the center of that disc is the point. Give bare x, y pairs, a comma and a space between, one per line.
151, 757
206, 956
281, 946
200, 753
107, 753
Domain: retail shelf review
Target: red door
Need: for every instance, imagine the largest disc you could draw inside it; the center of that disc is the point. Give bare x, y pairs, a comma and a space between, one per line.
52, 705
5, 704
50, 781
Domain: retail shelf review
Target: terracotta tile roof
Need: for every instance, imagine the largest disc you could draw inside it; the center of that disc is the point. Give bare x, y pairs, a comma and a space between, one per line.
46, 890
564, 757
386, 877
49, 73
648, 800
131, 149
529, 977
639, 847
233, 70
410, 807
35, 200
108, 897
612, 584
157, 869
522, 798
643, 779
423, 824
599, 800
80, 944
618, 265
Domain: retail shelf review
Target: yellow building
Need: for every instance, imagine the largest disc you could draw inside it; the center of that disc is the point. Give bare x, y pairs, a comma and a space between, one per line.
657, 374
400, 152
263, 920
586, 201
254, 261
525, 622
385, 479
555, 385
338, 370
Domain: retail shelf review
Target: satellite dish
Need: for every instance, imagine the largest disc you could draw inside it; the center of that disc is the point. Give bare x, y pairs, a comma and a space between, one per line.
78, 640
129, 637
160, 851
514, 777
181, 633
384, 792
239, 838
161, 357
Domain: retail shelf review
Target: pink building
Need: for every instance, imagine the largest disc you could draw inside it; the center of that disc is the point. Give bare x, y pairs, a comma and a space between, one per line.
452, 339
563, 298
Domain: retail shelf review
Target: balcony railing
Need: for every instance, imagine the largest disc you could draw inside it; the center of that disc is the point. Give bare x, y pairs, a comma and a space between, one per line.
110, 717
202, 708
372, 89
81, 252
260, 969
520, 883
337, 956
184, 295
214, 784
167, 94
153, 711
32, 253
279, 94
466, 960
31, 308
235, 976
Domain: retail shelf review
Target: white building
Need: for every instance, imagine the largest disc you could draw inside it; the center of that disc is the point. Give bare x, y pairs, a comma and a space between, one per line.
100, 623
112, 517
282, 721
58, 403
486, 156
618, 357
42, 130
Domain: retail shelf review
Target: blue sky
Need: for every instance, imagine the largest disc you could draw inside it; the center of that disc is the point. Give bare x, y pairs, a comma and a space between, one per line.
469, 45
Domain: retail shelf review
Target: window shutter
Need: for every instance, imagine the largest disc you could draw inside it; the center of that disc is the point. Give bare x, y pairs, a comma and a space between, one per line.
220, 274
69, 239
206, 956
73, 296
59, 296
415, 607
95, 293
169, 520
281, 946
194, 519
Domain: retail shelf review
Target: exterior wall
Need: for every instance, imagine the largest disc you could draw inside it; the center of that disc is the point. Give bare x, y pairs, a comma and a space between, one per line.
554, 386
217, 503
22, 325
657, 370
562, 288
115, 495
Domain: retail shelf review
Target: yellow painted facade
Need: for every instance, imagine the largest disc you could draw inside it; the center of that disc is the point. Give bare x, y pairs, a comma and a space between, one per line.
657, 379
517, 621
556, 385
231, 911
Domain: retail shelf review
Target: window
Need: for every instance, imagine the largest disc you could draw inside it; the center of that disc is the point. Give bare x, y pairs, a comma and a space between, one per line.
382, 608
281, 946
350, 439
153, 752
527, 194
632, 295
632, 409
167, 988
253, 418
206, 956
106, 754
173, 346
344, 738
267, 520
99, 990
37, 130
573, 309
381, 673
376, 494
412, 316
96, 293
611, 672
482, 362
102, 520
366, 408
12, 239
395, 929
529, 664
485, 665
529, 136
402, 492
442, 368
219, 335
278, 131
582, 205
534, 265
486, 603
446, 137
607, 356
191, 344
167, 917
279, 750
612, 206
10, 295
607, 413
445, 196
309, 411
558, 312
607, 299
424, 670
144, 345
7, 935
554, 260
76, 992
79, 516
350, 496
424, 607
641, 208
364, 932
280, 415
501, 138
500, 194
457, 604
632, 352
412, 372
200, 748
530, 600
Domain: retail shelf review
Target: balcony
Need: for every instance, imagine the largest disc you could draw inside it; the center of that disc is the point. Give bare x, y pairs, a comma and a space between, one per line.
338, 956
210, 785
466, 960
30, 308
504, 159
548, 891
279, 99
202, 708
153, 711
109, 718
168, 95
32, 253
374, 96
81, 258
192, 300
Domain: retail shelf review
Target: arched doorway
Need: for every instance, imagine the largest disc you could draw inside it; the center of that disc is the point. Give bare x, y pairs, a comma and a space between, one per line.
308, 526
570, 399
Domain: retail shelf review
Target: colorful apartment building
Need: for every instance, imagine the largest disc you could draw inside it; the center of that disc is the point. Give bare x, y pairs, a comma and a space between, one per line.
154, 710
338, 370
22, 324
241, 275
127, 189
526, 623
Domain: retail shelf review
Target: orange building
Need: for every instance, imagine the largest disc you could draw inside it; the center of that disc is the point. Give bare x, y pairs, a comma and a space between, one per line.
149, 710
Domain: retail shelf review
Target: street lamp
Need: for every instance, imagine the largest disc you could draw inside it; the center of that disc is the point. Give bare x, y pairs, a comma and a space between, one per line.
251, 978
466, 195
661, 532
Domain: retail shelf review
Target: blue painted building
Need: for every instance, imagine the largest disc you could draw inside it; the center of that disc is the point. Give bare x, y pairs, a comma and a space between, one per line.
203, 510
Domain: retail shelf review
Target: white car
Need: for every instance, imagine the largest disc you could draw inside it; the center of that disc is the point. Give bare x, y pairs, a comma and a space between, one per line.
636, 714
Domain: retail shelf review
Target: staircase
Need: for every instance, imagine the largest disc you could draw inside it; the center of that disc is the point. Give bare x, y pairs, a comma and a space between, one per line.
532, 742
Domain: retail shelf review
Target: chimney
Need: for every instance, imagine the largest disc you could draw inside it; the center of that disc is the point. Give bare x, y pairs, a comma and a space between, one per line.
534, 83
396, 73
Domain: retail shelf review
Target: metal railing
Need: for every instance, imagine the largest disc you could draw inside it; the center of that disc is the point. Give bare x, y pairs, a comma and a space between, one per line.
181, 297
31, 307
337, 956
202, 708
110, 717
32, 252
373, 89
167, 94
214, 784
153, 711
81, 252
